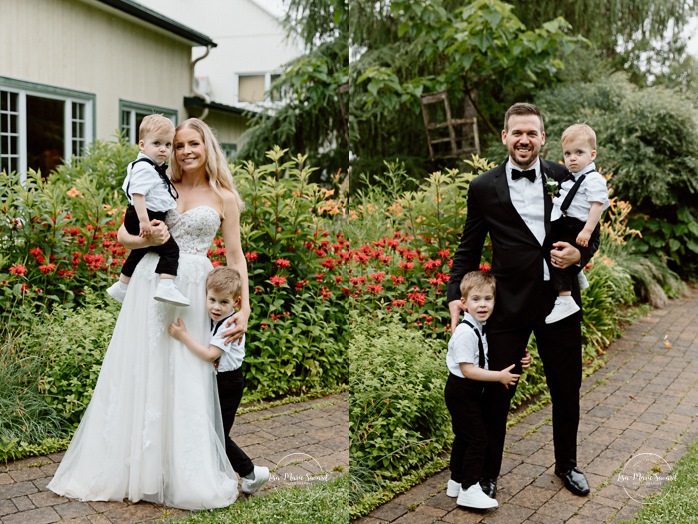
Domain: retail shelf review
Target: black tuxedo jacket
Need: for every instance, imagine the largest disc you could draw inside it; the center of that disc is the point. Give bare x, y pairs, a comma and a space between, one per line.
517, 257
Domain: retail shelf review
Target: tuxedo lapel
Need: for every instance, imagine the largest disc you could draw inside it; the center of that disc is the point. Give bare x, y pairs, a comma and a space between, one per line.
547, 201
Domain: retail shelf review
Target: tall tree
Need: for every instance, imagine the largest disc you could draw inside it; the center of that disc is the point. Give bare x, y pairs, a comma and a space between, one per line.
480, 51
643, 37
313, 119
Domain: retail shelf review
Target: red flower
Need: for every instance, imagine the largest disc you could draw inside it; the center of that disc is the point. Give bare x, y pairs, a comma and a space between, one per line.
282, 262
216, 263
301, 284
378, 276
374, 289
485, 266
432, 264
46, 269
329, 263
444, 253
278, 280
251, 257
398, 303
275, 316
66, 274
319, 277
418, 298
325, 293
406, 266
18, 270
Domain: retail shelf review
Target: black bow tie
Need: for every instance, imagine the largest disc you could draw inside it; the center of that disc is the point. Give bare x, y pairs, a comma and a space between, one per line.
530, 174
162, 169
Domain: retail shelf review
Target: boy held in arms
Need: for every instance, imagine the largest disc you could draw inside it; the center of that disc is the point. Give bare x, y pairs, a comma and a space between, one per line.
467, 364
151, 195
223, 297
576, 212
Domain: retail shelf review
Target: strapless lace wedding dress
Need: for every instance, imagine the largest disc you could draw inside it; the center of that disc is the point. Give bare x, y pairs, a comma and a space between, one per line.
153, 428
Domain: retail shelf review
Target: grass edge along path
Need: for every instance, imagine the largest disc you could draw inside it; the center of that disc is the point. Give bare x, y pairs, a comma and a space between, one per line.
325, 502
676, 502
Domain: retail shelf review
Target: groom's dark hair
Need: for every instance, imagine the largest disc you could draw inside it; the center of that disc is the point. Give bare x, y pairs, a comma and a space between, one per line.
522, 109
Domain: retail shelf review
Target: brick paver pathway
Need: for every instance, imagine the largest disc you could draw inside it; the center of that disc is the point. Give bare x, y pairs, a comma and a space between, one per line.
308, 437
640, 409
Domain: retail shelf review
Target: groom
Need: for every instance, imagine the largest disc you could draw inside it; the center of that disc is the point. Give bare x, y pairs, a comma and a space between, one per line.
510, 203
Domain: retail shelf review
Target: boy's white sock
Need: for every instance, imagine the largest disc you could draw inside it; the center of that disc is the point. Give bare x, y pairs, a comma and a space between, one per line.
122, 285
167, 282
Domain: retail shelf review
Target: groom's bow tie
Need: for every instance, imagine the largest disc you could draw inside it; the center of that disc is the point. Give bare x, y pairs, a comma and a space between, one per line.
530, 174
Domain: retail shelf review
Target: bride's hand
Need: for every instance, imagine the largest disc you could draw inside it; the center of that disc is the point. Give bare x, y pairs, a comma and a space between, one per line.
159, 235
239, 326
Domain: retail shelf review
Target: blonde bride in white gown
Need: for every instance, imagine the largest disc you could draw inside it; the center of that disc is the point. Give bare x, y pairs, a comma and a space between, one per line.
153, 429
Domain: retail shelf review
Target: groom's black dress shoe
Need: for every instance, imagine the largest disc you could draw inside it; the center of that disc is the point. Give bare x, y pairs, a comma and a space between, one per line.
574, 480
489, 487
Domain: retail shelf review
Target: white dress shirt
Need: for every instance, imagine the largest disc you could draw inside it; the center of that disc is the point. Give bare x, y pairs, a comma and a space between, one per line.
527, 198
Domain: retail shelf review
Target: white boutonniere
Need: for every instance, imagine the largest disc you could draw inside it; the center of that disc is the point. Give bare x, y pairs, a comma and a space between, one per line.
552, 187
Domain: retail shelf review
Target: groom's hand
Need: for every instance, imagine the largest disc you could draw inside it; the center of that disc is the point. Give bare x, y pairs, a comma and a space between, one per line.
564, 255
456, 307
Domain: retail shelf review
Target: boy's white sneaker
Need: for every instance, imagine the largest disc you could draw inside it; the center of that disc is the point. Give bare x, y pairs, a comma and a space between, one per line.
170, 294
582, 279
564, 307
261, 476
453, 488
117, 291
474, 497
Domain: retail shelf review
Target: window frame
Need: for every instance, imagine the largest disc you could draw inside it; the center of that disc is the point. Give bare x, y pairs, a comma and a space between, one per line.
136, 107
69, 97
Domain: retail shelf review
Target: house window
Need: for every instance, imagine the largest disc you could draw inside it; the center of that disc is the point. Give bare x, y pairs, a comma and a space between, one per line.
256, 88
132, 114
251, 88
41, 126
229, 150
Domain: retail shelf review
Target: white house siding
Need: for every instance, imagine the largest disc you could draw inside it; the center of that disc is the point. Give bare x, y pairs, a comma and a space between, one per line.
250, 41
86, 46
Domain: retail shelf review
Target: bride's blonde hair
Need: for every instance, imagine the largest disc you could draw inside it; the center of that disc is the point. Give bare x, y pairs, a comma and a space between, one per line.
217, 171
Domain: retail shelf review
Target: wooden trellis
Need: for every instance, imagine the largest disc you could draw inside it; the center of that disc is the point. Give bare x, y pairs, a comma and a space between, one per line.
449, 137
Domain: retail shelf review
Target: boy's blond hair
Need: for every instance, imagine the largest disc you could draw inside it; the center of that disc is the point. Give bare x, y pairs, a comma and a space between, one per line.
477, 280
155, 124
580, 131
224, 279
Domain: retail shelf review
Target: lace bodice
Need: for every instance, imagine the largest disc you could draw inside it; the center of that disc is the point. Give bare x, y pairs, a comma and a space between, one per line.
194, 229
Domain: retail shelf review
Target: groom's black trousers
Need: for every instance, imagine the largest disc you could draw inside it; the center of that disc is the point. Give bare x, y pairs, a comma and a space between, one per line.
230, 387
559, 346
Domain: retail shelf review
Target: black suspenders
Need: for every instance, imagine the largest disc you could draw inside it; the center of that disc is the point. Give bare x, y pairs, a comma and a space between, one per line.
161, 171
481, 349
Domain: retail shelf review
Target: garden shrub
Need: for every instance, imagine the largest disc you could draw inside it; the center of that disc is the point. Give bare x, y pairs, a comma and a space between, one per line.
398, 420
70, 343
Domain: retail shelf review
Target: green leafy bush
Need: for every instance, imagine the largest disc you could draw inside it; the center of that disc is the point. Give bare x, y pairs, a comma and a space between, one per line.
398, 420
70, 344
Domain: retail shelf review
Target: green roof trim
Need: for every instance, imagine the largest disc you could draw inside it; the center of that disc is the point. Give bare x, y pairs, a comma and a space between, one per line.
148, 15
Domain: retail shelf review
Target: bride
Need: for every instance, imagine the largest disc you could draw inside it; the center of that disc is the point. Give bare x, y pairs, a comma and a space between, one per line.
153, 429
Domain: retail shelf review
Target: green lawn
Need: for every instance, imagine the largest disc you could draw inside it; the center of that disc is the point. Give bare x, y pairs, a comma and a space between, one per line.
324, 502
678, 501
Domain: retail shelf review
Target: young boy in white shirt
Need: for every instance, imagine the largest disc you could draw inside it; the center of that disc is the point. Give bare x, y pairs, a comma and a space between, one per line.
223, 297
151, 195
576, 212
468, 371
